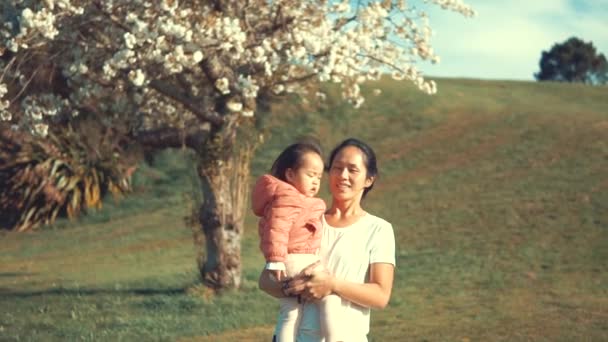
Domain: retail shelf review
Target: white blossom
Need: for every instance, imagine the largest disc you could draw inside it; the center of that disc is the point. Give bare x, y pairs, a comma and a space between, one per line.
221, 84
169, 5
197, 56
234, 106
177, 42
42, 21
130, 40
248, 86
41, 129
397, 75
5, 115
137, 77
108, 71
358, 102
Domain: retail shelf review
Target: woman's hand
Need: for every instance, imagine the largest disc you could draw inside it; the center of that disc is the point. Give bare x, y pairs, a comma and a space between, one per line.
285, 287
320, 284
311, 283
297, 284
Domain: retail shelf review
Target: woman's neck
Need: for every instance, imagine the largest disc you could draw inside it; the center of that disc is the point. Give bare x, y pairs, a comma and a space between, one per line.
344, 213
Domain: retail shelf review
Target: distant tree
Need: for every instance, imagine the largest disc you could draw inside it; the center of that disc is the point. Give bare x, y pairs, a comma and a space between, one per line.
573, 61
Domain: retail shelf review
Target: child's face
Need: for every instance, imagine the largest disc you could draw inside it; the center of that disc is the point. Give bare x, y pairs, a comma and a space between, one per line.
307, 177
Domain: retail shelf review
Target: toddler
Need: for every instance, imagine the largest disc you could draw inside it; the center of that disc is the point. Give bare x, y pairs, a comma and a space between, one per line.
290, 225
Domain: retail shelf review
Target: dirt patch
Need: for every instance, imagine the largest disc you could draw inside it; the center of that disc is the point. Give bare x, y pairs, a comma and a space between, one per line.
263, 333
602, 125
455, 126
570, 144
452, 162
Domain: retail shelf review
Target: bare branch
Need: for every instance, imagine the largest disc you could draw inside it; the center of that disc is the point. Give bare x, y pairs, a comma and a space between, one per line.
202, 110
192, 136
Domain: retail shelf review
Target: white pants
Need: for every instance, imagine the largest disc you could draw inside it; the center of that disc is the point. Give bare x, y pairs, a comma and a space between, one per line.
290, 312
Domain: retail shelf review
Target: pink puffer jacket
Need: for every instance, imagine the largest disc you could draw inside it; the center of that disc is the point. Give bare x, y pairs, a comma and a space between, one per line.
290, 222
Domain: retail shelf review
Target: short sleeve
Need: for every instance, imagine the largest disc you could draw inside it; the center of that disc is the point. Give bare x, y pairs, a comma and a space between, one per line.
383, 245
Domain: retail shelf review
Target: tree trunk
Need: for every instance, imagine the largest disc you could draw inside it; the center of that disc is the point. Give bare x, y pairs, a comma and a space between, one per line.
223, 163
224, 174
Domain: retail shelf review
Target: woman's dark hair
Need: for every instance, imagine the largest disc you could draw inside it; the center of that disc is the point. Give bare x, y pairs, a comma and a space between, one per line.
291, 157
369, 158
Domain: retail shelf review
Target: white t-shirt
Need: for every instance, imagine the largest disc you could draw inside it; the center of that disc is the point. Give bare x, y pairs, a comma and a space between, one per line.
347, 253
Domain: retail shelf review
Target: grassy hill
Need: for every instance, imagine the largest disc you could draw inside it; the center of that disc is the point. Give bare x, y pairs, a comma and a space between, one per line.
498, 193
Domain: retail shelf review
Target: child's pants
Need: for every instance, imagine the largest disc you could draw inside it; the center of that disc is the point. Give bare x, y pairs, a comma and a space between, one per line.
290, 312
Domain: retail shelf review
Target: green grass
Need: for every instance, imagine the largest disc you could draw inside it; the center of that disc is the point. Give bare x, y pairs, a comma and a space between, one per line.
498, 193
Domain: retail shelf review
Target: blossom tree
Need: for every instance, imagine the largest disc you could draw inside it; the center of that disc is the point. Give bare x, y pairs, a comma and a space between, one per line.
190, 73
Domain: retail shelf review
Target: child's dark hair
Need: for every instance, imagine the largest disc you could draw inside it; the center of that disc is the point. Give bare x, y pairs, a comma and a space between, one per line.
291, 157
369, 158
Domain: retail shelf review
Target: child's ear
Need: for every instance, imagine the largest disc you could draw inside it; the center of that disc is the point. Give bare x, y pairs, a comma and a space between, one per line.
289, 175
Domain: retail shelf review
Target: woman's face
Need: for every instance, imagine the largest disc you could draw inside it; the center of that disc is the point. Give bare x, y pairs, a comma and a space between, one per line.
348, 174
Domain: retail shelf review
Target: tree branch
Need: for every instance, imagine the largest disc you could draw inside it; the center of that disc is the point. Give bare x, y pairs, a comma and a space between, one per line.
193, 137
201, 110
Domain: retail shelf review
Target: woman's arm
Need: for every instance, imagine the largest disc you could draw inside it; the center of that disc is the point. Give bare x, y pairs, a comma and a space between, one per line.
374, 294
291, 287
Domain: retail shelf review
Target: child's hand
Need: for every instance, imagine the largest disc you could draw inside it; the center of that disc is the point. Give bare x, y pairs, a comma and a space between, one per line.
279, 275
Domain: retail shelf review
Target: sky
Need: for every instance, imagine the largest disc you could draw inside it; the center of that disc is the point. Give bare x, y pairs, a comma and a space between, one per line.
506, 38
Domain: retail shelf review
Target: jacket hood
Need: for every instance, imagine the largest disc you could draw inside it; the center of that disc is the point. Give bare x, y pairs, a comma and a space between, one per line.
266, 189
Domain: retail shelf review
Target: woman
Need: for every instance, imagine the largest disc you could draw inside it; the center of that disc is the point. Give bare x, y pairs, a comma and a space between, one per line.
357, 248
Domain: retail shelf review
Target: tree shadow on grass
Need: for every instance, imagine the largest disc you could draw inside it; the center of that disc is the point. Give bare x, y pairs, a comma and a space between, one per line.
15, 293
15, 274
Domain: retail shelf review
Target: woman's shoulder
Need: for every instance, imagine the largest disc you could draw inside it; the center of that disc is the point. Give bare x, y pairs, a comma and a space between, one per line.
377, 222
380, 231
367, 220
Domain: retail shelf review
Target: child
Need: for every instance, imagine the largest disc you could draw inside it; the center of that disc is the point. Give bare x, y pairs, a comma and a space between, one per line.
290, 222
